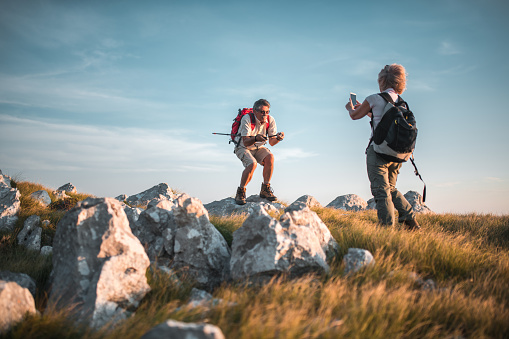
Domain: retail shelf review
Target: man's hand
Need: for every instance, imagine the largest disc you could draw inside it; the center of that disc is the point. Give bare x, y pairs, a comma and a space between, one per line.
280, 136
260, 137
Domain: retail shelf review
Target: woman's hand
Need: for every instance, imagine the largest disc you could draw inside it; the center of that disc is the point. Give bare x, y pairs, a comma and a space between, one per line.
359, 111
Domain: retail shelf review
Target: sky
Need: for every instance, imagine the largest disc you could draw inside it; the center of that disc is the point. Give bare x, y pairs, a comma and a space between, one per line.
119, 96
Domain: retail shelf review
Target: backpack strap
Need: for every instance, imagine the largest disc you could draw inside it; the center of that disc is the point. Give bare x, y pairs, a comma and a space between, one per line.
253, 123
387, 97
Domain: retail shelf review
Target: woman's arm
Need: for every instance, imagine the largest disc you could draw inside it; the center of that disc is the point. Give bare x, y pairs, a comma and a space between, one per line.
359, 111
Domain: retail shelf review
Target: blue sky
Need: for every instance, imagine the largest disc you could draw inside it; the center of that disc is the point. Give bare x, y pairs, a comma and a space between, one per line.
118, 96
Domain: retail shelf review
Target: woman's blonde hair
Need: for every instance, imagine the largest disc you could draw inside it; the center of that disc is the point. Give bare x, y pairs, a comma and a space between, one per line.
392, 76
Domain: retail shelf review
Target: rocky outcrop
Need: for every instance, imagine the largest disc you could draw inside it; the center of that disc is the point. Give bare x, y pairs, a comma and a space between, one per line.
30, 235
46, 250
15, 302
5, 179
70, 188
309, 201
356, 259
181, 236
177, 329
415, 199
60, 195
158, 193
264, 247
22, 279
98, 264
42, 197
349, 202
228, 206
9, 204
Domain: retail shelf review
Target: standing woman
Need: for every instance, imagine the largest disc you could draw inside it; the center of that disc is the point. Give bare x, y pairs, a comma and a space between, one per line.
382, 173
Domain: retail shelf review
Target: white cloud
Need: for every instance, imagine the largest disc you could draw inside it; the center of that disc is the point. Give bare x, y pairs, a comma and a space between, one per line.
37, 145
292, 153
493, 179
447, 48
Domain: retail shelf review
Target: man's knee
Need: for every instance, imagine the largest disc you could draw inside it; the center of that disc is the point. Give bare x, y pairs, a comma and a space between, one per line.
268, 160
251, 167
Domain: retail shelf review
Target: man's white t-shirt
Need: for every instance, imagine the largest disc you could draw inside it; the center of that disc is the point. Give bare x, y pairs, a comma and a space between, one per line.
246, 131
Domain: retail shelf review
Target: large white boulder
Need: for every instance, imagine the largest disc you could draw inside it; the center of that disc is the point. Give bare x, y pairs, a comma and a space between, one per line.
178, 329
9, 206
158, 192
180, 235
349, 202
415, 199
30, 235
98, 264
42, 197
15, 302
264, 247
228, 206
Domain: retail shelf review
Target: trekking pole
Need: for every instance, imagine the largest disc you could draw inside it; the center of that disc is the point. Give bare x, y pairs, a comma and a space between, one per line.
270, 136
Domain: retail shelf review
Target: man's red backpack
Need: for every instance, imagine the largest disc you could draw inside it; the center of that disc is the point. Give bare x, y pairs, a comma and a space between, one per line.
236, 124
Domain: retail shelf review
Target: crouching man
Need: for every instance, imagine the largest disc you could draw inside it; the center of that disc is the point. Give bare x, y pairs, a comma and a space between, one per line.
250, 150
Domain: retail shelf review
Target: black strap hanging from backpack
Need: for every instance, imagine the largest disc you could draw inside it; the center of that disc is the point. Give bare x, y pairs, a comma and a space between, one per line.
388, 98
419, 175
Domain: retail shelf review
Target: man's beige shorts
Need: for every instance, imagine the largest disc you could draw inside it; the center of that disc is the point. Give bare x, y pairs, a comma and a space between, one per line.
250, 156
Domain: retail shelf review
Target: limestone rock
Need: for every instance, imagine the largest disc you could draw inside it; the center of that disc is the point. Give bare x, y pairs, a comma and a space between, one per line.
5, 179
133, 214
68, 188
177, 329
311, 220
264, 247
59, 195
198, 246
30, 235
22, 279
349, 202
371, 204
181, 236
98, 264
9, 207
121, 197
15, 302
149, 229
415, 199
161, 192
305, 200
42, 197
228, 206
356, 259
46, 250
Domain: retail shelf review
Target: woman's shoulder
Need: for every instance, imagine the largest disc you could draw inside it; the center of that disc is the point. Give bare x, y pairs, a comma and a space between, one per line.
374, 99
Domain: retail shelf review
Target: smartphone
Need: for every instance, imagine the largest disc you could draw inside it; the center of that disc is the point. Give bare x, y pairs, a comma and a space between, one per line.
353, 97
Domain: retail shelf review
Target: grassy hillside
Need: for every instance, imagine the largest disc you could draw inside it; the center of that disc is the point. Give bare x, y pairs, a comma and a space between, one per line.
465, 256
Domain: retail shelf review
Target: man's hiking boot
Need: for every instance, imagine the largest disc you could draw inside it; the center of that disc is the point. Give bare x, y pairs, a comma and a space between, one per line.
411, 225
240, 198
267, 193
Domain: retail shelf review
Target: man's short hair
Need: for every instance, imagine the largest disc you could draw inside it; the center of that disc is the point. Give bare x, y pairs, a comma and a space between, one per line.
259, 103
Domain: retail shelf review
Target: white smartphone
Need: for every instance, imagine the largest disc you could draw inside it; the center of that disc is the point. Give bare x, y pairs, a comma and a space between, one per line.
353, 97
